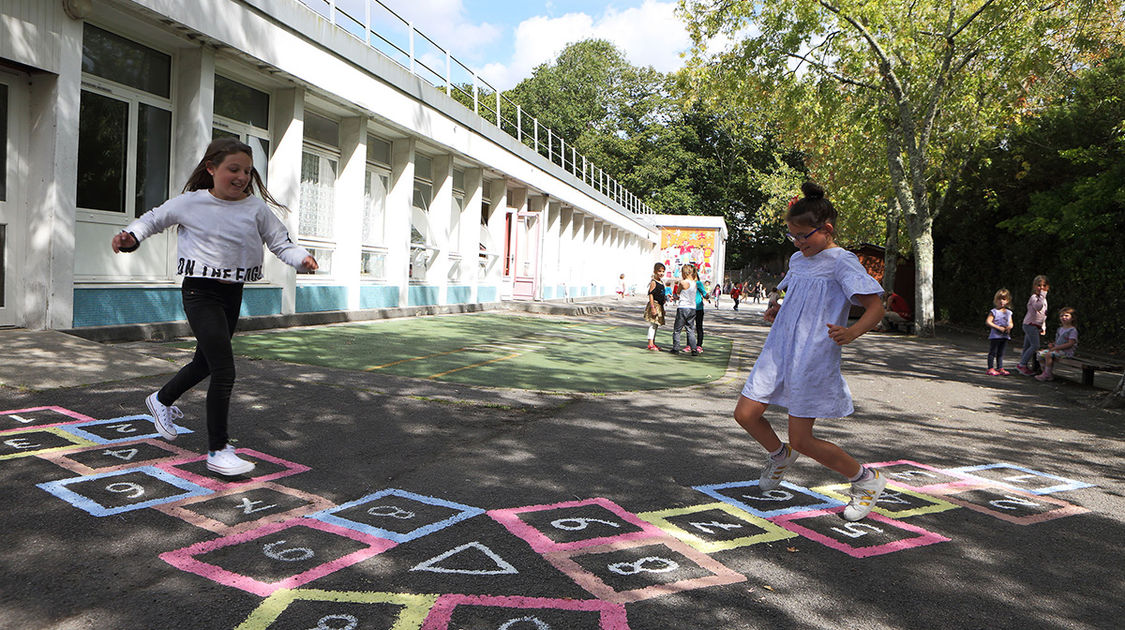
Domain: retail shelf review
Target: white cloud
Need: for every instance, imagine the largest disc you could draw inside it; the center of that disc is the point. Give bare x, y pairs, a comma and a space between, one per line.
649, 35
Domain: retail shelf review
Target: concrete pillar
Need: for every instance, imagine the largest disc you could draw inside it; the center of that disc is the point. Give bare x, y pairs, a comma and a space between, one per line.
400, 200
566, 248
498, 198
349, 206
285, 182
194, 105
552, 247
50, 191
441, 216
470, 230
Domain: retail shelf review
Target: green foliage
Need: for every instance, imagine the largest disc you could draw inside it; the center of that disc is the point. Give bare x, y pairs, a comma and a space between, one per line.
1049, 199
678, 155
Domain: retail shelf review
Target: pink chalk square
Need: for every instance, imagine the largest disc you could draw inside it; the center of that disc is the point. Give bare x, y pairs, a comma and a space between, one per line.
49, 416
453, 612
875, 535
1006, 504
574, 524
246, 507
266, 468
113, 457
278, 555
633, 570
915, 476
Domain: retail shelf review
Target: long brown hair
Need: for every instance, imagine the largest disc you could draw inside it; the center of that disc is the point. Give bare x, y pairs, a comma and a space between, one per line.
218, 151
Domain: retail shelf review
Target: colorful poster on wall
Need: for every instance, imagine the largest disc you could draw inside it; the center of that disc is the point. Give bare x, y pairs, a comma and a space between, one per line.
680, 246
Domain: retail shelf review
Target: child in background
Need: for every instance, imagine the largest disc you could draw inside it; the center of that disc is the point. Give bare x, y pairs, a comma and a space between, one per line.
1066, 341
701, 294
688, 289
735, 294
1034, 324
621, 287
654, 310
999, 331
221, 227
715, 293
799, 367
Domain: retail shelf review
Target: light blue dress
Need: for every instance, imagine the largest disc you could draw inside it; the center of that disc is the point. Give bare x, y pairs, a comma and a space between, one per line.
799, 367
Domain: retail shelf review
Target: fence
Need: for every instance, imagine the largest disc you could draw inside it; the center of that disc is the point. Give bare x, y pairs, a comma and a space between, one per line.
378, 26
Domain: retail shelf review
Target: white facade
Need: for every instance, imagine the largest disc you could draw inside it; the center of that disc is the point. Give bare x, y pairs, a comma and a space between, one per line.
405, 196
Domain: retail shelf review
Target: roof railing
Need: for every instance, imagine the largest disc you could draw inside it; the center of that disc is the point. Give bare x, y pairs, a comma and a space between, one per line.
397, 39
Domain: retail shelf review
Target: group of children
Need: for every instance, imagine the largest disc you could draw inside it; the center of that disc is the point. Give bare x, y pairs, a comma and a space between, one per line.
1033, 361
222, 222
689, 293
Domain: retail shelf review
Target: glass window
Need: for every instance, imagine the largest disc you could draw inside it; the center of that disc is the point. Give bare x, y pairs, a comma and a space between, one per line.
3, 230
423, 168
374, 264
239, 102
374, 207
378, 151
103, 127
154, 146
455, 222
113, 57
322, 130
318, 196
458, 180
217, 133
4, 154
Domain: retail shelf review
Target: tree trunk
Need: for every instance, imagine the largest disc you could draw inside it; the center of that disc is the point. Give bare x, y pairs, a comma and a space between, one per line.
1119, 391
921, 234
890, 251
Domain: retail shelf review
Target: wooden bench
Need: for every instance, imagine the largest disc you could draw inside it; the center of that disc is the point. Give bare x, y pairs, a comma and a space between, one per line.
1089, 366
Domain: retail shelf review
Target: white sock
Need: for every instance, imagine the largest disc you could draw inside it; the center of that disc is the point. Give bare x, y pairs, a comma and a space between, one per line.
864, 474
781, 452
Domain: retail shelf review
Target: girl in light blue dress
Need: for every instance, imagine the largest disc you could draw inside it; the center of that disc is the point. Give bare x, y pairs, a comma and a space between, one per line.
799, 367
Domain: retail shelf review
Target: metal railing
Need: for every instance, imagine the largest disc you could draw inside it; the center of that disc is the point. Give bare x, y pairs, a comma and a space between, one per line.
378, 26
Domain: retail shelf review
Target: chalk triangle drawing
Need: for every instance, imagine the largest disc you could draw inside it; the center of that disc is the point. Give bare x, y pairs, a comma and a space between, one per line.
503, 567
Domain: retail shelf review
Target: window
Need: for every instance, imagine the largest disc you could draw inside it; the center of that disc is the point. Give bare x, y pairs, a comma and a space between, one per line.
4, 155
455, 257
373, 250
242, 112
422, 251
124, 125
315, 222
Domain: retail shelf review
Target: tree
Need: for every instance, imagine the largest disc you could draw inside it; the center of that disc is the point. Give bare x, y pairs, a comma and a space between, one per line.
937, 80
680, 156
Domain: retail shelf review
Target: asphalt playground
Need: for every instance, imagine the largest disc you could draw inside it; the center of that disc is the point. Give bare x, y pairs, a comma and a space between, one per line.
506, 471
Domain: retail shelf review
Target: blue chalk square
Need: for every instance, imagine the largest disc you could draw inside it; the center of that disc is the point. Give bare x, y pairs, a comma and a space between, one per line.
786, 499
114, 430
1020, 478
110, 493
397, 515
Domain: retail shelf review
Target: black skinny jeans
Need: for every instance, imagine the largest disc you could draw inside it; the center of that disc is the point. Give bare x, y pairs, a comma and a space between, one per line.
212, 312
699, 326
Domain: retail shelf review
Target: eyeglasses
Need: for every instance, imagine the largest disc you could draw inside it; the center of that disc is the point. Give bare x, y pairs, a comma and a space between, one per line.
800, 238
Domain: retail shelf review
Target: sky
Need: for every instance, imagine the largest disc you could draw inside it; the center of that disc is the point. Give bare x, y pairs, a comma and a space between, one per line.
504, 40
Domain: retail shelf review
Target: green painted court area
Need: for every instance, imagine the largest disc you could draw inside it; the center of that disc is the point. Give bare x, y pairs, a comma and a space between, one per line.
541, 353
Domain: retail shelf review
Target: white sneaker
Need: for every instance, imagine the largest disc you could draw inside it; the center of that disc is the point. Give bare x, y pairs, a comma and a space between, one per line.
225, 462
163, 417
775, 469
864, 495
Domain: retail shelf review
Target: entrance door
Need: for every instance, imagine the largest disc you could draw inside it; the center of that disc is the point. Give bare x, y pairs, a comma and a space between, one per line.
13, 98
525, 279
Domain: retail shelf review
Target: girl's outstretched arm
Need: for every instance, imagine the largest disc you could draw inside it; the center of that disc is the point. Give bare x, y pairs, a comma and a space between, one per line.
872, 314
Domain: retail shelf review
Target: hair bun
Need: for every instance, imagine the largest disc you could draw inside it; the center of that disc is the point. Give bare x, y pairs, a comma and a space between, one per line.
812, 191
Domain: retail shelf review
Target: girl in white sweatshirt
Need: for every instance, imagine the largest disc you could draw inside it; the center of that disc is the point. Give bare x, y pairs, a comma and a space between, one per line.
221, 228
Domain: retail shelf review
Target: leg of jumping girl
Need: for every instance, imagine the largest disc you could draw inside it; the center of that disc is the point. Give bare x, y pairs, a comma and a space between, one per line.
867, 483
749, 415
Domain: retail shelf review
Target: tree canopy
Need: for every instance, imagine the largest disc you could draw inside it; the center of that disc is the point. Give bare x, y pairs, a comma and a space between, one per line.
922, 85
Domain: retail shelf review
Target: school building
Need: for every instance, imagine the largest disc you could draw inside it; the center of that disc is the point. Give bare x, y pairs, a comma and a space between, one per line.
412, 181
